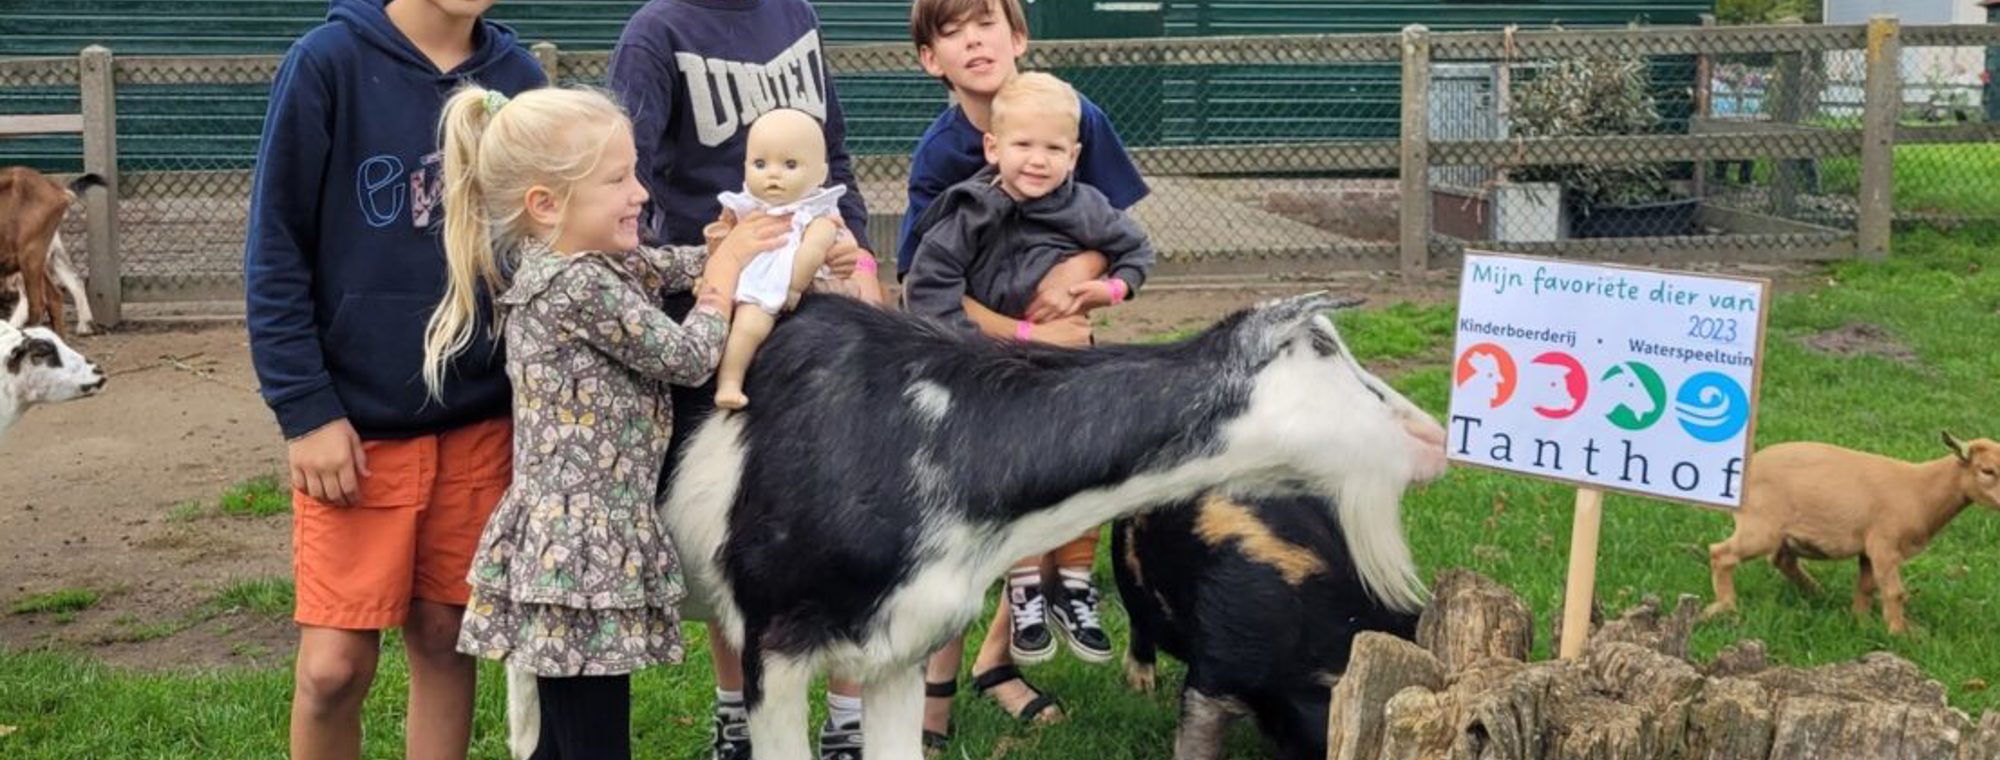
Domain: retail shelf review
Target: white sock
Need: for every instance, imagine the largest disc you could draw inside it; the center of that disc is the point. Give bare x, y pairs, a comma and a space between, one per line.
843, 710
1024, 578
1074, 579
729, 704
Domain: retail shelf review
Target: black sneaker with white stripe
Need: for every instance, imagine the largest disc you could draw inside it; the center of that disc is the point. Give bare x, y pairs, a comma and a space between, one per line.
841, 742
732, 736
1076, 617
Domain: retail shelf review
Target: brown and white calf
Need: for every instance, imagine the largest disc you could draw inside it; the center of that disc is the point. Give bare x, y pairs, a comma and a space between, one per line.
1817, 501
32, 260
892, 468
36, 367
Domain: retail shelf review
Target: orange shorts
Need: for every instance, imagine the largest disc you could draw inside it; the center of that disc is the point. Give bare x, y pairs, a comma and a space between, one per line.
411, 535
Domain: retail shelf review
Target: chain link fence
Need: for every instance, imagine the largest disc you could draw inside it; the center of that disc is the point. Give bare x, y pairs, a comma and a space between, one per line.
1286, 156
1947, 163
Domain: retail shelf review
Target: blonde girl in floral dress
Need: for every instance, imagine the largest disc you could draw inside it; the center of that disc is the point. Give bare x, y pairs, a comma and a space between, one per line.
575, 580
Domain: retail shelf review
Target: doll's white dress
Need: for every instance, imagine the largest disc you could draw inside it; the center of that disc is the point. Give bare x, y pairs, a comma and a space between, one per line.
767, 279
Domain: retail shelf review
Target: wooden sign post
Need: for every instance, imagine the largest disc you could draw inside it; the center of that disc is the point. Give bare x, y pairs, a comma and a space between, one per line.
1610, 378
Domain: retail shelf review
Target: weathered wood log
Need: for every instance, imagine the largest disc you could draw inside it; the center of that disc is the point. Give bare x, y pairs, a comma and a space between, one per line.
1649, 626
1633, 695
1813, 727
1732, 719
1419, 724
1739, 659
1380, 666
1878, 677
1984, 744
1471, 617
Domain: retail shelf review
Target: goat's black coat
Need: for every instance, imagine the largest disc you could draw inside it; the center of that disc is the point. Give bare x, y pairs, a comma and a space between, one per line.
834, 484
1244, 633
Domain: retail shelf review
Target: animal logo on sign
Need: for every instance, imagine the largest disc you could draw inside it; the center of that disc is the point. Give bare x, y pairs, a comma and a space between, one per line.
1635, 393
1712, 407
1557, 385
1486, 372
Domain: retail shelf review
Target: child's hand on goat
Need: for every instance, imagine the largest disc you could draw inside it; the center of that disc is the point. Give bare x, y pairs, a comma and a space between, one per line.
1070, 332
1086, 297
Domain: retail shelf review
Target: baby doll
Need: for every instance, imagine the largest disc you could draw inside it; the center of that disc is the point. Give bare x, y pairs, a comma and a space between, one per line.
784, 166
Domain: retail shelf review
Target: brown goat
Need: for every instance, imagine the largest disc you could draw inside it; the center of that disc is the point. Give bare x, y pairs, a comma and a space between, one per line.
31, 210
1816, 501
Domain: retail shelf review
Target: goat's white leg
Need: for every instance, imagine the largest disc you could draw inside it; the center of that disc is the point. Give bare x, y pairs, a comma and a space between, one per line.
892, 723
524, 713
778, 729
1204, 725
64, 273
19, 318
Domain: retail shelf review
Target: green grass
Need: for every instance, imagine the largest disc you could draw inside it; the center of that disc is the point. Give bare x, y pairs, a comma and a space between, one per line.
61, 602
257, 497
1961, 179
1940, 294
262, 596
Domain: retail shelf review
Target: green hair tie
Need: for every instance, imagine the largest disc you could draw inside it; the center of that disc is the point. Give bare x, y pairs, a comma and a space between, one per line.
494, 100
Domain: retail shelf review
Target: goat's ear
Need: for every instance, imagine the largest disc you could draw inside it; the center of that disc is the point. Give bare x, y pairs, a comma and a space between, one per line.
16, 357
1957, 447
1299, 310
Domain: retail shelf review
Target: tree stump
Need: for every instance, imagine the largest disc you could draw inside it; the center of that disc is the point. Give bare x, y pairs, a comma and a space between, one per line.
1471, 617
1380, 666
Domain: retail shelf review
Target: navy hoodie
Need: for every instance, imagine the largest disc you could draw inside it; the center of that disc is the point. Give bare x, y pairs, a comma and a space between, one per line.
694, 74
344, 262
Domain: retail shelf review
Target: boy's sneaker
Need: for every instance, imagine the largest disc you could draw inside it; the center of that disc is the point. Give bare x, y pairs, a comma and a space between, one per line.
732, 736
1077, 618
839, 742
1031, 642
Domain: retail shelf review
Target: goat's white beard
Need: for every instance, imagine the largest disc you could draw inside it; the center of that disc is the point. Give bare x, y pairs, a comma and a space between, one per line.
1371, 522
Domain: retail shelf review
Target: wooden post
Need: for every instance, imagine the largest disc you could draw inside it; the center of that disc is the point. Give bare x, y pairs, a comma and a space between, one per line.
1788, 107
550, 57
1582, 586
100, 157
1416, 150
1884, 96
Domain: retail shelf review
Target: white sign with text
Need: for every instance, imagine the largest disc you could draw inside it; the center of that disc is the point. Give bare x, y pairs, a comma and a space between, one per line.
1616, 378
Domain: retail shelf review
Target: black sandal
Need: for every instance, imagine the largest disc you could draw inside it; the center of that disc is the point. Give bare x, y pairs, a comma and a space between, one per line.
985, 682
936, 741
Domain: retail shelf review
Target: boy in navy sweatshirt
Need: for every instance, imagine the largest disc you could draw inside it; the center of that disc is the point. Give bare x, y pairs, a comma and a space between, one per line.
694, 74
342, 269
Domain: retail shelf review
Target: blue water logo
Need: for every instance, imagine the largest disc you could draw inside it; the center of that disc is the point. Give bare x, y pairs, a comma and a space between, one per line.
1712, 407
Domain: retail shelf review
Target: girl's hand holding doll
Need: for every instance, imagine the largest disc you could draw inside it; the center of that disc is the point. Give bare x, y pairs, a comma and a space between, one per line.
731, 246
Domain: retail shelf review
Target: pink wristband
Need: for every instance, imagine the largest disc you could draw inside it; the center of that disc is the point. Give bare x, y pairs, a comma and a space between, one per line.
1024, 331
1118, 289
866, 264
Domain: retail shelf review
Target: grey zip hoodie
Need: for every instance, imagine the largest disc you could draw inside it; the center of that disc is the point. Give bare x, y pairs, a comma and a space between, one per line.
980, 242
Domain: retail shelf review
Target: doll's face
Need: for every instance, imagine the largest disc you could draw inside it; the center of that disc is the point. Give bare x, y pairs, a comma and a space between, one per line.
784, 157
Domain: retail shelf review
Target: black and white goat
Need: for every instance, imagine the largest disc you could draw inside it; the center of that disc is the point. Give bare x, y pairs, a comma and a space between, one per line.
36, 367
1261, 600
892, 468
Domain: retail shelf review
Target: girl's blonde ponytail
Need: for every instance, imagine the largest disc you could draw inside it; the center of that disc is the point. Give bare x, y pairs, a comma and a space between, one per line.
468, 236
495, 150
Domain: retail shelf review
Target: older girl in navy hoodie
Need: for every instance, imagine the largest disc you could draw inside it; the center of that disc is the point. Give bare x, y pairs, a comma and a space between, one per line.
342, 266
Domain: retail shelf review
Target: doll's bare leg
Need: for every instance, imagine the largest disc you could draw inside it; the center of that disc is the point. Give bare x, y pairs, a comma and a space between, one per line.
813, 247
747, 331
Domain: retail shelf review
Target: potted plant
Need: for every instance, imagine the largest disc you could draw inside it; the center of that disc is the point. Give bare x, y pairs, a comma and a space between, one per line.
1599, 96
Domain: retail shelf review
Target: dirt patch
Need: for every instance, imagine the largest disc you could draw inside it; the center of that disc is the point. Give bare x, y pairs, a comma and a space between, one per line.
1860, 339
90, 485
